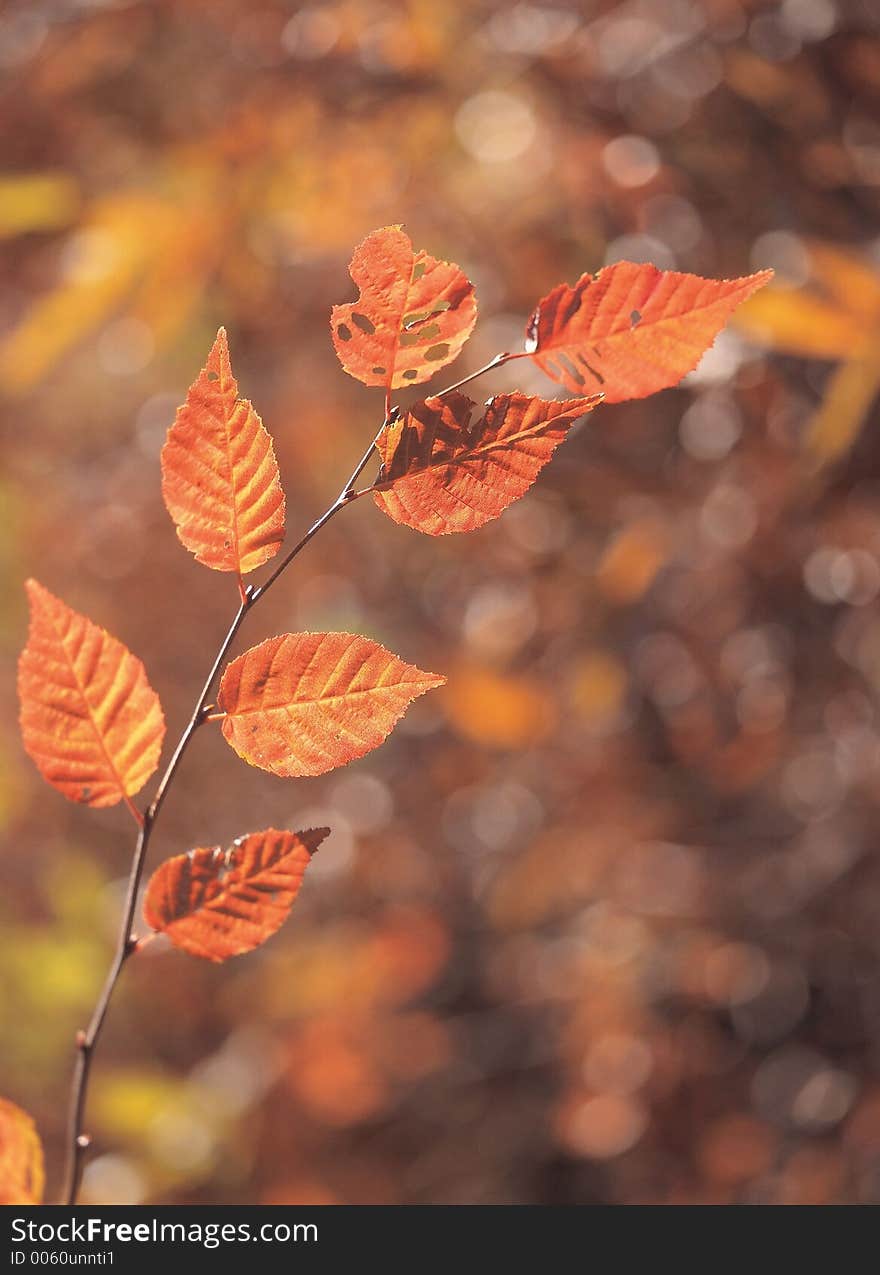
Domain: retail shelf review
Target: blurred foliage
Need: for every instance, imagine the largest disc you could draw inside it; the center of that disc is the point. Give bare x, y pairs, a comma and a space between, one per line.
600, 922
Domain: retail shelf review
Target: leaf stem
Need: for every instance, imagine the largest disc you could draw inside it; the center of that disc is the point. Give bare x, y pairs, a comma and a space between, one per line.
127, 943
498, 361
133, 811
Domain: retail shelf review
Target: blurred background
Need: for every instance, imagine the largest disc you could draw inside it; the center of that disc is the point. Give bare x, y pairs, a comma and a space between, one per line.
601, 921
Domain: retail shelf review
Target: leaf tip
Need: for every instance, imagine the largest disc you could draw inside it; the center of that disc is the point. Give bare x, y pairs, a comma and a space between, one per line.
312, 838
38, 595
218, 359
762, 277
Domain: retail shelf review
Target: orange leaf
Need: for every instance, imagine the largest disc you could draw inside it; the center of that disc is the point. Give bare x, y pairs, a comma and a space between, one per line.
21, 1157
304, 703
219, 474
217, 903
631, 330
413, 315
89, 718
440, 473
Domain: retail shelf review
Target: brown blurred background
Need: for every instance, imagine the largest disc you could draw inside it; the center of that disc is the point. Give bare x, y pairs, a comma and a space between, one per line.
601, 921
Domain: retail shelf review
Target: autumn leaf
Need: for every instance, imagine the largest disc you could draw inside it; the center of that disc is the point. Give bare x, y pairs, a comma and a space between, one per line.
443, 472
89, 718
413, 315
304, 703
219, 474
631, 330
220, 903
21, 1157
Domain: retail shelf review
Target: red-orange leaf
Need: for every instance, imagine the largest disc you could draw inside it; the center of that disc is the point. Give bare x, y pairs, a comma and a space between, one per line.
442, 473
216, 904
304, 703
21, 1157
413, 315
219, 474
89, 717
631, 330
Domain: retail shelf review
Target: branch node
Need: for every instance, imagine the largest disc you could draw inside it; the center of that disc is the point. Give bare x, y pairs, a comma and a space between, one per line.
82, 1040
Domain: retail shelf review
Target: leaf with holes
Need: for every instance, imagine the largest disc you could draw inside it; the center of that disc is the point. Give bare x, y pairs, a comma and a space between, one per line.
443, 472
219, 474
631, 330
21, 1157
413, 315
304, 703
220, 903
89, 718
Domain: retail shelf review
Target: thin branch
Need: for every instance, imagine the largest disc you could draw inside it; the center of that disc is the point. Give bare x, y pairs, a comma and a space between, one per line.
498, 361
127, 944
345, 497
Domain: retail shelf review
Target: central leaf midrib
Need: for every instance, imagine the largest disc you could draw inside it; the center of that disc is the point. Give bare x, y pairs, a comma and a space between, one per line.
225, 388
643, 326
398, 328
320, 699
99, 735
460, 458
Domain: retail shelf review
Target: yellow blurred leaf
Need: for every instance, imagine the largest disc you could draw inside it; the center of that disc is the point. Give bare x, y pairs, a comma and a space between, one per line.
851, 279
109, 252
850, 393
36, 201
600, 685
175, 284
128, 1100
793, 321
631, 562
826, 318
498, 710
